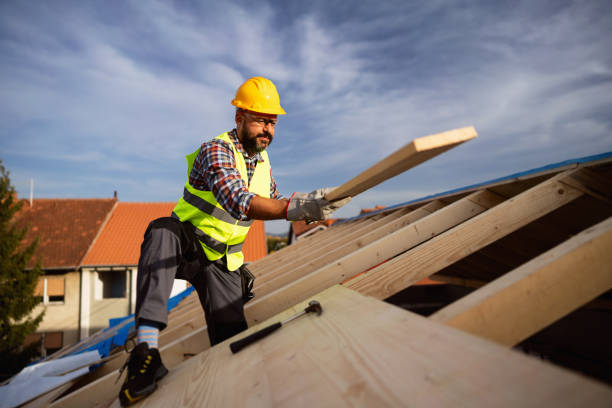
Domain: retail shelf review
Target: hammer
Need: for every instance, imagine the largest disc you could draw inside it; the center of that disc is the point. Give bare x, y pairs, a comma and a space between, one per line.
313, 306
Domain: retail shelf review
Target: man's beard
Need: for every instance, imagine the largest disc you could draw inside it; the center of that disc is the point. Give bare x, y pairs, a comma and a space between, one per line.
250, 142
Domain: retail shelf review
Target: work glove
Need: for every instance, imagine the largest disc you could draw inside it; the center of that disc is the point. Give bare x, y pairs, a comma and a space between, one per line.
313, 206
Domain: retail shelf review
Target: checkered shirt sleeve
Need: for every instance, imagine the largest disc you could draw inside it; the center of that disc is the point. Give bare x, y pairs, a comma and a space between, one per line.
214, 169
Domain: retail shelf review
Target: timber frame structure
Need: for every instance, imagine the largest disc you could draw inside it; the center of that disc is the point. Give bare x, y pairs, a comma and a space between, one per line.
530, 249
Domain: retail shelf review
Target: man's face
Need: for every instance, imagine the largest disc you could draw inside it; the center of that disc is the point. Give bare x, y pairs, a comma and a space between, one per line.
255, 130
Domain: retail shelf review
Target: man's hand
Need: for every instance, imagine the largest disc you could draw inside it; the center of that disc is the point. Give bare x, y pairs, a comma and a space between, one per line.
313, 206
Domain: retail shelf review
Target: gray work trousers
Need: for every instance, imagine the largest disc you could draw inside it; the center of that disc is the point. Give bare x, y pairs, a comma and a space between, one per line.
171, 250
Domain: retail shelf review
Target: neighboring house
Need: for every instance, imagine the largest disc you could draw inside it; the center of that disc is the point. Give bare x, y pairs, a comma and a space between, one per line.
108, 271
300, 229
65, 229
89, 250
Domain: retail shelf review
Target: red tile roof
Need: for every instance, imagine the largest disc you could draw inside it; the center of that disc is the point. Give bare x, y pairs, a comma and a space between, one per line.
120, 239
255, 245
369, 210
300, 227
66, 228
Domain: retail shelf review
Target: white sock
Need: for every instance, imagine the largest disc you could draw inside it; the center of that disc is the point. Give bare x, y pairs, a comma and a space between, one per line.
148, 334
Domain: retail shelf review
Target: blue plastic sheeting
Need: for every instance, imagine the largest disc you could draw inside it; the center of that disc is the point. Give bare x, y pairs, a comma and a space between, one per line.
119, 328
553, 166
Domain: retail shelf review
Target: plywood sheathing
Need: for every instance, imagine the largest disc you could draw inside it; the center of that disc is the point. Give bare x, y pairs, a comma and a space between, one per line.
364, 352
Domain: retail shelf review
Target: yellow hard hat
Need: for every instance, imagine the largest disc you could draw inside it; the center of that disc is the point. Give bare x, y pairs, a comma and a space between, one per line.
258, 94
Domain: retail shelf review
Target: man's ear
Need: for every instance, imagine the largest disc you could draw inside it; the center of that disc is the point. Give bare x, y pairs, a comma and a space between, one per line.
239, 118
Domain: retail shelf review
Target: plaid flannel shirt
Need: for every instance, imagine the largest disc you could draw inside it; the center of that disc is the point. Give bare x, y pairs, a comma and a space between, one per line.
214, 169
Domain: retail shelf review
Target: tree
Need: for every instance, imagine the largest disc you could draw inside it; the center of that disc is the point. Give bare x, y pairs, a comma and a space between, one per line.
17, 285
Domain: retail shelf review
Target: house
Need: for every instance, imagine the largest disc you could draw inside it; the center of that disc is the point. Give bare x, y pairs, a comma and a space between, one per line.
66, 228
89, 251
302, 229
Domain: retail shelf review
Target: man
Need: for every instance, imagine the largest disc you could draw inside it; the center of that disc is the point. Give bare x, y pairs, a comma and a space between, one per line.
229, 184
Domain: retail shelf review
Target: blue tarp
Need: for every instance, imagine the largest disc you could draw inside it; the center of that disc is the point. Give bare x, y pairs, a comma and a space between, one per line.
119, 328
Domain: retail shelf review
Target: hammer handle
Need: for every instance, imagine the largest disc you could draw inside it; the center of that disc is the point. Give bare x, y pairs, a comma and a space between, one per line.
252, 338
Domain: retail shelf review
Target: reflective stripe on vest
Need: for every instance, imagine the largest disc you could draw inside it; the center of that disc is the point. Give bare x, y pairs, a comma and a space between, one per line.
219, 233
216, 212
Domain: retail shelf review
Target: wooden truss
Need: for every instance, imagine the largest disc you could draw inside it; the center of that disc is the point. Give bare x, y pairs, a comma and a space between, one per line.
535, 248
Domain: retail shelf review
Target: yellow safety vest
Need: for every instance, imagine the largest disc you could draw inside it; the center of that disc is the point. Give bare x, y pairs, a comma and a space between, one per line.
219, 233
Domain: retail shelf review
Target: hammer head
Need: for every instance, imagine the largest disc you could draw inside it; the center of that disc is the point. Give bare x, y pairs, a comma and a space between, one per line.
314, 306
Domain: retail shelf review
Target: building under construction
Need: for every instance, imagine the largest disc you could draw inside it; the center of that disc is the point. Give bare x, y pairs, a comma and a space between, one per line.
515, 309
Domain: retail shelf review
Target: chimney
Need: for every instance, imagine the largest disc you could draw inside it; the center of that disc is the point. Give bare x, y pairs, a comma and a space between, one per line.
31, 192
115, 194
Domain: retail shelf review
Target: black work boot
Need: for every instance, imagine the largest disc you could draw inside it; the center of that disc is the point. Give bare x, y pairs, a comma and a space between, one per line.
145, 368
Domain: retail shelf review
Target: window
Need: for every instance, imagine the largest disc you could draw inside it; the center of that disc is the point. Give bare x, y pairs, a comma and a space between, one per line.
113, 284
51, 289
50, 342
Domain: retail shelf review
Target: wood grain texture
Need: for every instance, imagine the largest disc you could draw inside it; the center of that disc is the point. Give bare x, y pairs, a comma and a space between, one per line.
324, 240
348, 244
465, 239
531, 297
104, 390
409, 156
364, 352
262, 266
370, 255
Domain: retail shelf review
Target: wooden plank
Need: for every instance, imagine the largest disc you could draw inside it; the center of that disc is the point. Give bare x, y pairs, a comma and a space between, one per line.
187, 326
104, 390
324, 240
373, 254
465, 239
48, 397
592, 183
531, 297
261, 266
409, 156
307, 259
348, 245
363, 352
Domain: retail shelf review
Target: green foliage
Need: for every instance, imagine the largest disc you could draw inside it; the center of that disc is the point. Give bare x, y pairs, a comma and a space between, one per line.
17, 284
275, 243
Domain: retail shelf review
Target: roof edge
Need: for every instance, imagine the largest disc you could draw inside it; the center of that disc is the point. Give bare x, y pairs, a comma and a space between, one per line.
533, 172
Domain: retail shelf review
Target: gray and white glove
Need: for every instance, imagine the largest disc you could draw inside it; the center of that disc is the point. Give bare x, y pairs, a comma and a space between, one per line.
313, 206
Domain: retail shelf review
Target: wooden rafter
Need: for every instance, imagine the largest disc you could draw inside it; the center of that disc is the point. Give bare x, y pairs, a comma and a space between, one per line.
465, 239
531, 297
349, 243
370, 255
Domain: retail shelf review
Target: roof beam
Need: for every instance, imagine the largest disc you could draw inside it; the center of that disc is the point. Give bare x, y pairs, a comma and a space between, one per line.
592, 183
323, 240
411, 155
262, 266
538, 293
371, 255
465, 239
344, 245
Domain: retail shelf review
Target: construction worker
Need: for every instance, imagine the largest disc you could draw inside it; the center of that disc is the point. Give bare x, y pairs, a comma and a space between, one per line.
229, 184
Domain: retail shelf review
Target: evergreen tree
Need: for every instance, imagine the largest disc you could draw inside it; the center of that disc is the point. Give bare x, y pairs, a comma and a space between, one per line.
17, 285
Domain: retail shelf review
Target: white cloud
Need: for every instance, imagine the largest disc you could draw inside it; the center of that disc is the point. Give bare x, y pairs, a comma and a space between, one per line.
131, 91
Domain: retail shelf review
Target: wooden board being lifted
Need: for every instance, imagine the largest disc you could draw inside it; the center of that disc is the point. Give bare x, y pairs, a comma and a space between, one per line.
409, 156
364, 352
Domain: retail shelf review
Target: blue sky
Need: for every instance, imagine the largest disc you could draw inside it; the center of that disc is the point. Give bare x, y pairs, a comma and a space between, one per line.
102, 96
